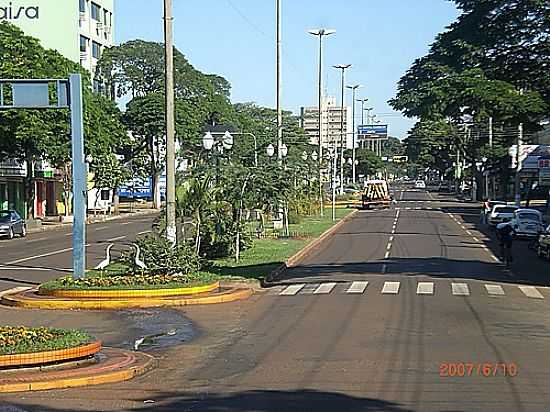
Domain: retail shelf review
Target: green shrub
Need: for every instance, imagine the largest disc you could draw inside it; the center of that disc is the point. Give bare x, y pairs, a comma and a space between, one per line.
161, 258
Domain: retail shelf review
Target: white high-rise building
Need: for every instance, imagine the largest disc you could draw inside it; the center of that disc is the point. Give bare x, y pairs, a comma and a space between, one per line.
78, 29
331, 118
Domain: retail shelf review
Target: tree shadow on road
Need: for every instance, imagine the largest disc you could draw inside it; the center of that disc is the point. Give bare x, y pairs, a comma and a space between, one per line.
258, 401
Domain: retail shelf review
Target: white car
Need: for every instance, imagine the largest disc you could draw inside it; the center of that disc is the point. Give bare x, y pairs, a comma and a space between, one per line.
420, 184
527, 223
501, 213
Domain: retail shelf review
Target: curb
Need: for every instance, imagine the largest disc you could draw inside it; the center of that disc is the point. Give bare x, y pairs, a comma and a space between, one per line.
301, 254
59, 355
27, 300
59, 226
123, 370
129, 293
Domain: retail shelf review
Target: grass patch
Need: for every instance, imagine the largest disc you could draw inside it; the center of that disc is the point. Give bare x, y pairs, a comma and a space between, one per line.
117, 278
17, 340
267, 254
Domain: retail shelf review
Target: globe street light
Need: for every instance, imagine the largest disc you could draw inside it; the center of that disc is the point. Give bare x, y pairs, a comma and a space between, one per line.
270, 150
284, 151
208, 141
321, 33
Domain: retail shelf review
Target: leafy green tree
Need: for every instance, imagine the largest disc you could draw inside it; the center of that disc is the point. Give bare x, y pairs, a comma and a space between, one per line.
31, 135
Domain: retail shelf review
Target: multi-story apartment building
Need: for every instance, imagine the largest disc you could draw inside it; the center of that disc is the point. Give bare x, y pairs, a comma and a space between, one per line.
331, 118
78, 29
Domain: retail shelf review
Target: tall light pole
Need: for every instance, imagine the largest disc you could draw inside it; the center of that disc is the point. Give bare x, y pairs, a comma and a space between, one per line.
343, 68
363, 101
170, 128
321, 33
279, 85
353, 89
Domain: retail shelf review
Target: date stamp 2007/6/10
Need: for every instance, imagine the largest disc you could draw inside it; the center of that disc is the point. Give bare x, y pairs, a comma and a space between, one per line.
487, 369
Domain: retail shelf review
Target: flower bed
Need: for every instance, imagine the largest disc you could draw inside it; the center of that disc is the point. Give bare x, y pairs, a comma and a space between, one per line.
23, 340
107, 281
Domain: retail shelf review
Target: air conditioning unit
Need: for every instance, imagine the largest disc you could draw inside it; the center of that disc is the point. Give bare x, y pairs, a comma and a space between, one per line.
108, 29
83, 56
99, 26
82, 16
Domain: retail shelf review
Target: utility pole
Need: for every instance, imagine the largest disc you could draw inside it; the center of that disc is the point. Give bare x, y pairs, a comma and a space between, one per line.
517, 196
493, 179
170, 128
353, 89
279, 85
321, 33
342, 67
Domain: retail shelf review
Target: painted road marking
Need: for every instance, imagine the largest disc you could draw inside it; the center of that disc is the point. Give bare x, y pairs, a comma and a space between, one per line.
357, 287
425, 288
460, 289
324, 288
495, 290
309, 288
292, 290
387, 255
114, 239
275, 290
391, 288
57, 252
144, 232
103, 228
531, 292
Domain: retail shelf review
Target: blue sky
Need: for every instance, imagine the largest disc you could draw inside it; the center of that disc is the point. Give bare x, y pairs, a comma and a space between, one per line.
236, 39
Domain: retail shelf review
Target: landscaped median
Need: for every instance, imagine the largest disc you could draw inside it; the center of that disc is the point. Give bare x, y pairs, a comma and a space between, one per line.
270, 256
47, 358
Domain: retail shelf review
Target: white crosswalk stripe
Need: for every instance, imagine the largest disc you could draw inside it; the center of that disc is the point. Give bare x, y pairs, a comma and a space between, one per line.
495, 290
425, 288
292, 290
531, 292
391, 288
324, 288
309, 289
357, 287
460, 289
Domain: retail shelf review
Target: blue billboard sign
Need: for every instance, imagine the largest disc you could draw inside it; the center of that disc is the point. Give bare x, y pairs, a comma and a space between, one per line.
377, 130
141, 188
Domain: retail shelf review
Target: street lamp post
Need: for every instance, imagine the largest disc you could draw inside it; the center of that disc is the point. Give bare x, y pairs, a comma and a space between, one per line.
343, 68
353, 89
321, 33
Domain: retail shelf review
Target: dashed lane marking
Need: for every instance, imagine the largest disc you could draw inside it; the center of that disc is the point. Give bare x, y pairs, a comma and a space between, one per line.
460, 289
531, 292
114, 239
292, 290
324, 288
309, 289
425, 288
357, 287
495, 290
391, 288
56, 252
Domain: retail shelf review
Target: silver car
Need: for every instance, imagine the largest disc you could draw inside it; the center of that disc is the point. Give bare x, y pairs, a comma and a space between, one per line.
12, 224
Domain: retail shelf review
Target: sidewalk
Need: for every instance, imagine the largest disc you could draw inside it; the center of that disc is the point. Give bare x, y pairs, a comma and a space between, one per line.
124, 212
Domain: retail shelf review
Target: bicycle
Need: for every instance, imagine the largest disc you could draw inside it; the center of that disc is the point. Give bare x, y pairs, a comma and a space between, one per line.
506, 253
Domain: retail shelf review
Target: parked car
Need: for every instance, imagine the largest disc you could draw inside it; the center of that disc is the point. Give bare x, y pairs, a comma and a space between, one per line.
501, 213
543, 247
527, 223
12, 224
488, 207
420, 184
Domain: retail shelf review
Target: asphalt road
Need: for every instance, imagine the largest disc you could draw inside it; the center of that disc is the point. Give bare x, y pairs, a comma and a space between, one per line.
46, 255
406, 309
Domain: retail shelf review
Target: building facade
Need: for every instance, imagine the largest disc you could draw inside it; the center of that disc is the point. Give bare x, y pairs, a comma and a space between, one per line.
331, 118
79, 30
